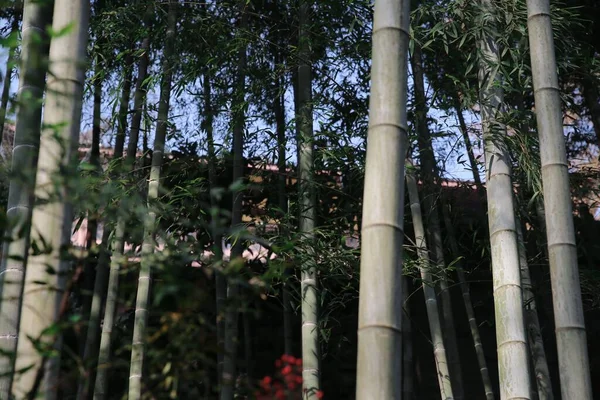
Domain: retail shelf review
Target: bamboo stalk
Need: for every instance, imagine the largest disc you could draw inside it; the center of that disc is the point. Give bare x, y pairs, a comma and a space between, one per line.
564, 271
229, 373
466, 295
513, 361
118, 257
429, 175
379, 362
433, 315
89, 348
52, 221
34, 53
220, 280
311, 354
536, 345
138, 346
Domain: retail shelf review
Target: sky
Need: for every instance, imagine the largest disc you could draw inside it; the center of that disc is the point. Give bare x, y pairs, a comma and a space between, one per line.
185, 115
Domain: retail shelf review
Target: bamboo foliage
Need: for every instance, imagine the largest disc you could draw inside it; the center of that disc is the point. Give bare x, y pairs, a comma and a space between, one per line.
34, 51
433, 314
145, 276
591, 95
239, 77
14, 29
564, 272
468, 145
379, 365
52, 221
513, 363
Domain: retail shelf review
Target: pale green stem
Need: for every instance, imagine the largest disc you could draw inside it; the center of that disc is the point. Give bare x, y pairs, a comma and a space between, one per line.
536, 345
573, 359
433, 315
379, 361
118, 257
145, 277
513, 361
466, 295
52, 221
311, 357
34, 52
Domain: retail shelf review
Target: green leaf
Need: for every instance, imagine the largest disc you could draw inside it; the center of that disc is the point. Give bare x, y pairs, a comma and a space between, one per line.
11, 41
63, 31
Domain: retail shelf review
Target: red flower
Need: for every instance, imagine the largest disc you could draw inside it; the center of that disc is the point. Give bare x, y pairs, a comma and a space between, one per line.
280, 394
266, 382
299, 362
285, 358
286, 370
290, 380
320, 394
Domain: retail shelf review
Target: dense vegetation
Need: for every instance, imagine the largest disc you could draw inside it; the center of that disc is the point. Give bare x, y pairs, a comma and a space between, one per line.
189, 209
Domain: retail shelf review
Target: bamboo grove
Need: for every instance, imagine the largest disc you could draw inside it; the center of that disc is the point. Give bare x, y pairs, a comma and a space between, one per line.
270, 199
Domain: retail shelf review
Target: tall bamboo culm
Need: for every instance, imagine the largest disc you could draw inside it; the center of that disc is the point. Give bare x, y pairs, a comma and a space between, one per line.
145, 277
431, 303
532, 323
229, 372
564, 270
279, 113
118, 246
52, 221
513, 360
33, 66
466, 295
92, 348
379, 361
429, 175
311, 355
460, 272
215, 229
90, 333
